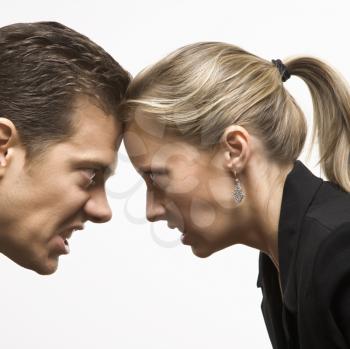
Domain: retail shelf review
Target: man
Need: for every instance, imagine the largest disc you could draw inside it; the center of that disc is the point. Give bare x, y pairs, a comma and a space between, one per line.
59, 94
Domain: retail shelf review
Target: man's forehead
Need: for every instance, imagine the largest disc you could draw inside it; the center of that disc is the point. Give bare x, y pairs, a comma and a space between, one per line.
99, 133
88, 117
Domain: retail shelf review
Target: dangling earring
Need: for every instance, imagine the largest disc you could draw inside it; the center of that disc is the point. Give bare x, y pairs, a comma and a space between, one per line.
238, 194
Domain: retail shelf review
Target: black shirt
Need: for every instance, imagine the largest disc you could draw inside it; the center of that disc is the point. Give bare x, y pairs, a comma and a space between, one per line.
313, 309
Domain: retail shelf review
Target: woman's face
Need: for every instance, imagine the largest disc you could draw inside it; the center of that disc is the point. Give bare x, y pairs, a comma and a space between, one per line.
189, 188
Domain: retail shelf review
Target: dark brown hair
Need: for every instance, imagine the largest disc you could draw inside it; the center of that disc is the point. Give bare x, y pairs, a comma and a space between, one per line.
44, 67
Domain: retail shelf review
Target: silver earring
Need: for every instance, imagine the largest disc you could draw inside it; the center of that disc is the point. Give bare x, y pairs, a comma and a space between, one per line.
238, 194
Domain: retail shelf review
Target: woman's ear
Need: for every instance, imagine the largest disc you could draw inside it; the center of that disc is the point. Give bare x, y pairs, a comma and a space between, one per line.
8, 137
236, 143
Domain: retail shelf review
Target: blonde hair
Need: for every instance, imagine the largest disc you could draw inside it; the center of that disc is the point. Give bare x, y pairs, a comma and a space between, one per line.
200, 89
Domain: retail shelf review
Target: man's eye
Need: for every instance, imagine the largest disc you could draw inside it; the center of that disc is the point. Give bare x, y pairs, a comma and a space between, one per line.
90, 175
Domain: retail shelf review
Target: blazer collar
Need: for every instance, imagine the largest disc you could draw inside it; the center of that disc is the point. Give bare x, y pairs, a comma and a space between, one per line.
299, 190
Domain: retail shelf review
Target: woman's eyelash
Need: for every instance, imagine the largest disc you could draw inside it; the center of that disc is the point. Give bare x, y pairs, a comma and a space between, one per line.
152, 176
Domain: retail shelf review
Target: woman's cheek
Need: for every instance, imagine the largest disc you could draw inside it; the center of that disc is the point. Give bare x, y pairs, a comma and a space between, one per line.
184, 186
202, 214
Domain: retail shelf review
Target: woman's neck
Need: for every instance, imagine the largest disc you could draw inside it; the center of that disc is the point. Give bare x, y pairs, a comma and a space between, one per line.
264, 188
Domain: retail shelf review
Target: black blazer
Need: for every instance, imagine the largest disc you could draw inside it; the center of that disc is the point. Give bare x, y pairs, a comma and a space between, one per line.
313, 309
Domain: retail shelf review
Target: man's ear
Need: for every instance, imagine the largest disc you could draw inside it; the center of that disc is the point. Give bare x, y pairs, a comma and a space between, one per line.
236, 143
8, 138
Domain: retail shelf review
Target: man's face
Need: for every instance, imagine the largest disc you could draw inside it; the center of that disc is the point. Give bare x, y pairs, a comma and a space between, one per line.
43, 201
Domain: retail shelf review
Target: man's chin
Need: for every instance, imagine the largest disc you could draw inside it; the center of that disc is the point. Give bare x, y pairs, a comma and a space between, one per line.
48, 267
42, 267
201, 252
46, 270
38, 261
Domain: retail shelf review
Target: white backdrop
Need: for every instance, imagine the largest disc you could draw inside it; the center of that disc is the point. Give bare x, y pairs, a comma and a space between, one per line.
121, 286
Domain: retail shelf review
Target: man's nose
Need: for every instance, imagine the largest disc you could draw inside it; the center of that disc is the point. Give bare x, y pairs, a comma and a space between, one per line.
155, 211
97, 208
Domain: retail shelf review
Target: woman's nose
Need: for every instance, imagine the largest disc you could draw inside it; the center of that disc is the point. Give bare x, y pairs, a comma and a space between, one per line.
155, 211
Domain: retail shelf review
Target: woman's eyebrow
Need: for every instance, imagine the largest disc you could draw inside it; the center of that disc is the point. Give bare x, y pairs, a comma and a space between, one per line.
152, 169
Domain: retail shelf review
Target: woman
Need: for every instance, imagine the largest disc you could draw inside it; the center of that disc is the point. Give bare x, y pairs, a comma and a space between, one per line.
216, 136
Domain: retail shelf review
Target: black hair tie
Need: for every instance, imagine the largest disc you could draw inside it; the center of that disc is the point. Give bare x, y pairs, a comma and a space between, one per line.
282, 69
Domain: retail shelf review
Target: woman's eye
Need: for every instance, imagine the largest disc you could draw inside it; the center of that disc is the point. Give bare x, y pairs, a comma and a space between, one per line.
156, 179
159, 180
152, 176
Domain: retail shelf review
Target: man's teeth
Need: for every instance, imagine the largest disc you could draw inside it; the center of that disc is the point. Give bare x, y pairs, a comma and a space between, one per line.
66, 246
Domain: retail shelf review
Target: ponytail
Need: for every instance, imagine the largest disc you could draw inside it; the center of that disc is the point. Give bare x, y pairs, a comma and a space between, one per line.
331, 104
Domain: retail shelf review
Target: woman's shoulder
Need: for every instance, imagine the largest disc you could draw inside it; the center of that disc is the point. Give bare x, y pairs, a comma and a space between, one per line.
330, 207
328, 259
332, 259
324, 245
324, 278
325, 229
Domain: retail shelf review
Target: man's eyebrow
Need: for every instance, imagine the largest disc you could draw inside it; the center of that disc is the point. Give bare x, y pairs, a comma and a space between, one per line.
105, 168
